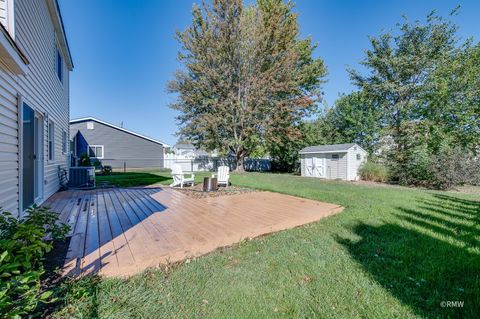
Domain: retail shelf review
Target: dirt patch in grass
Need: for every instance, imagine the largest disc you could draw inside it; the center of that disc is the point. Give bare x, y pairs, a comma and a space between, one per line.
197, 191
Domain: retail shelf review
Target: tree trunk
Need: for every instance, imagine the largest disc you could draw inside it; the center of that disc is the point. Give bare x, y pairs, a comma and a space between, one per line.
240, 159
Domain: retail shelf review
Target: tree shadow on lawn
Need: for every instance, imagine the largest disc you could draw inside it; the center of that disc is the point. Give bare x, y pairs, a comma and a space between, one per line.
132, 179
431, 256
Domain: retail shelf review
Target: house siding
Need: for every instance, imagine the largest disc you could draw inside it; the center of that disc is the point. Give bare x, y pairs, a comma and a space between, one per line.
41, 89
120, 148
3, 12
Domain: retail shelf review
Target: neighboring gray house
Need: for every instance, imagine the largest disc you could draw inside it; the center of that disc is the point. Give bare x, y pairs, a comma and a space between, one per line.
114, 145
338, 161
34, 102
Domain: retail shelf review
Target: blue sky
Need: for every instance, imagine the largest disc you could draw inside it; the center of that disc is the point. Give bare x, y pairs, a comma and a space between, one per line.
125, 52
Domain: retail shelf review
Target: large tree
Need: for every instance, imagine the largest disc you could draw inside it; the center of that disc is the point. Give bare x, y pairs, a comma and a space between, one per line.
356, 118
248, 78
400, 67
452, 109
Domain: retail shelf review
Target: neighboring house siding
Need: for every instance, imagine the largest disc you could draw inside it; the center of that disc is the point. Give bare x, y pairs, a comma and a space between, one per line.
41, 89
120, 147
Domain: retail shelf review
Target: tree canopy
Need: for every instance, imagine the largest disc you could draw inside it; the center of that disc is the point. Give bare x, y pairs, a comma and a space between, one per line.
248, 78
417, 100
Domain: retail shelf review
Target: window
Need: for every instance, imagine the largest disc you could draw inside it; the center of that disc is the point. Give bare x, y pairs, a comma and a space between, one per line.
334, 157
90, 126
95, 151
59, 65
51, 140
64, 142
359, 157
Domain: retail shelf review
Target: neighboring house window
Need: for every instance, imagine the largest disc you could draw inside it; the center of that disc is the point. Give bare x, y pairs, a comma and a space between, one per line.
90, 126
64, 142
334, 157
59, 65
359, 157
51, 141
96, 151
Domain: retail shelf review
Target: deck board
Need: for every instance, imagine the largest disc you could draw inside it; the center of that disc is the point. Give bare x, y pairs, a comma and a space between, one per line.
91, 256
119, 232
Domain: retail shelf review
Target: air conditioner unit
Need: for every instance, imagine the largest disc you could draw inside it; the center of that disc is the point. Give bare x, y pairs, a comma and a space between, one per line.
82, 177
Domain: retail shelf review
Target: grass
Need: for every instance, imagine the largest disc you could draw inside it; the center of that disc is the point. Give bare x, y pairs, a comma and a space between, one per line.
394, 252
142, 178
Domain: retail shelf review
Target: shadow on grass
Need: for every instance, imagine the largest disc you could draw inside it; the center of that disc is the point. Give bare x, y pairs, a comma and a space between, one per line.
132, 179
432, 257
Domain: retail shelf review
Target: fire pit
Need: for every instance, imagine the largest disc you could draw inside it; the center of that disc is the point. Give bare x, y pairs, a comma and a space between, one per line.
209, 184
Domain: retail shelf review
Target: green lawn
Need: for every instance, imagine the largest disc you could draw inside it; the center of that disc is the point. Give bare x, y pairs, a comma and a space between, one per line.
392, 253
142, 178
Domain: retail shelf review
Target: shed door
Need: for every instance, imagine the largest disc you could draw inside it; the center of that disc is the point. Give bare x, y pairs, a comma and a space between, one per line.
315, 167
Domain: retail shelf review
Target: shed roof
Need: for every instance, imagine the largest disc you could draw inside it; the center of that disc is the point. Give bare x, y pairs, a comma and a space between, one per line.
327, 148
86, 119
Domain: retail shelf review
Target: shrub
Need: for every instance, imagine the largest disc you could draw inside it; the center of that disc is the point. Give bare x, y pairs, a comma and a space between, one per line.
443, 169
370, 171
84, 160
416, 168
23, 243
106, 170
453, 167
97, 164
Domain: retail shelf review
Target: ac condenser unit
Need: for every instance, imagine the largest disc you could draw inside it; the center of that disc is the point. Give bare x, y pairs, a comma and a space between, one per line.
82, 177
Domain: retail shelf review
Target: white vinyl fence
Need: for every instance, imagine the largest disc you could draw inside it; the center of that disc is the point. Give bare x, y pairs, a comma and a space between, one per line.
207, 163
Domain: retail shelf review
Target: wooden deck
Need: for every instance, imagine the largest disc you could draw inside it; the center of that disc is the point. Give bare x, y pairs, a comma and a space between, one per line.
119, 232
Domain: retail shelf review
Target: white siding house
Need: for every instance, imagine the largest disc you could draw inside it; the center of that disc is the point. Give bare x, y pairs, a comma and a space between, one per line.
338, 161
34, 102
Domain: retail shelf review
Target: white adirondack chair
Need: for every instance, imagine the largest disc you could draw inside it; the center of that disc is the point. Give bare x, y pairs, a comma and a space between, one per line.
223, 175
179, 177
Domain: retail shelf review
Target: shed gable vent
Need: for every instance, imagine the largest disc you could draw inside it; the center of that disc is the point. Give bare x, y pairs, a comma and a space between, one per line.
90, 126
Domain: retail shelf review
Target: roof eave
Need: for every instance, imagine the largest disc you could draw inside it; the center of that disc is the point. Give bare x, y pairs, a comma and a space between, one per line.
316, 152
56, 16
84, 119
11, 54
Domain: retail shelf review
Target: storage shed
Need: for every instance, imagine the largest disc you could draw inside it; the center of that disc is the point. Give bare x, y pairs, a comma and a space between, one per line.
337, 161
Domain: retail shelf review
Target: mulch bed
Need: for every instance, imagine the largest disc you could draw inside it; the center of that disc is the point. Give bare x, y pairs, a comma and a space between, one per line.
197, 191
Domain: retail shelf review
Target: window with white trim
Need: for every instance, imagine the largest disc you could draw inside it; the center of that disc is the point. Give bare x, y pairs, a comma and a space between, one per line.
359, 157
335, 157
51, 140
96, 151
